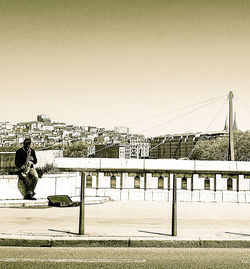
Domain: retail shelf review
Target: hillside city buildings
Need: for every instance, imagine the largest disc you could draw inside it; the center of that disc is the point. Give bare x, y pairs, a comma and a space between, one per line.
100, 142
44, 133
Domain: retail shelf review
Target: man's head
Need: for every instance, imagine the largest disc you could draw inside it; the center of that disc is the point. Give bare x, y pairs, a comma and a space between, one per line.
26, 143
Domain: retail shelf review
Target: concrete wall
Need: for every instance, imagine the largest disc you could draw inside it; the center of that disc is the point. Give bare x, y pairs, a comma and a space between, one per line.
69, 184
195, 172
47, 157
147, 188
7, 159
49, 184
149, 164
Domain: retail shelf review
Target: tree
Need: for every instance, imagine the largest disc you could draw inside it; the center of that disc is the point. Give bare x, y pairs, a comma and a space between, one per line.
11, 148
242, 145
77, 149
217, 149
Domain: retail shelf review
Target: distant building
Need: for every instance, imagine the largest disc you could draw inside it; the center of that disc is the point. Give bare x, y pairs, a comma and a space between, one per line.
91, 150
121, 130
133, 150
43, 118
143, 149
48, 127
93, 130
139, 147
179, 145
108, 151
28, 126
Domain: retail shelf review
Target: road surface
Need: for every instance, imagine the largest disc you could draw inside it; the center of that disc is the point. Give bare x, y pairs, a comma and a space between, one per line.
24, 258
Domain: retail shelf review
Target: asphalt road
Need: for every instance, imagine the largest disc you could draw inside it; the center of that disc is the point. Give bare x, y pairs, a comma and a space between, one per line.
24, 258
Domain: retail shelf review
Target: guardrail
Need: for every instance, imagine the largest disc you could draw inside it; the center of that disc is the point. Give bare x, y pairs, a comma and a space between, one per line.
82, 207
170, 166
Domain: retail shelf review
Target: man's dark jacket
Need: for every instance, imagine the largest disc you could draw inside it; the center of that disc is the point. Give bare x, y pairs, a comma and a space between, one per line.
21, 156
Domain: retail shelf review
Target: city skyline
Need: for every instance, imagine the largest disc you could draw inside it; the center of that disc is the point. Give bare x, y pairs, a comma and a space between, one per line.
125, 63
116, 129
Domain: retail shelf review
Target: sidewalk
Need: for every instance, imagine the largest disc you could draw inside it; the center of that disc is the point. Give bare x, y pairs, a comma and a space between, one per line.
15, 203
126, 224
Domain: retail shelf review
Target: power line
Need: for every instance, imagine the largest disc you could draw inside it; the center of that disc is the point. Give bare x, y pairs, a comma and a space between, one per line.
191, 152
182, 115
216, 115
108, 146
191, 122
211, 100
174, 110
163, 141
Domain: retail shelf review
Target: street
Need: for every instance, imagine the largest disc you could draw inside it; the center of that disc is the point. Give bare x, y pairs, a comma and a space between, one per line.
24, 258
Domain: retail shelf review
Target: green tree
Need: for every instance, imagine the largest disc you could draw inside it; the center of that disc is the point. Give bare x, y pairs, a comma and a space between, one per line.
11, 148
77, 149
217, 149
242, 145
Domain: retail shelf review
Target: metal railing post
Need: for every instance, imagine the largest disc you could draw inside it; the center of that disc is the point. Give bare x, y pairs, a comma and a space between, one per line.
82, 205
174, 208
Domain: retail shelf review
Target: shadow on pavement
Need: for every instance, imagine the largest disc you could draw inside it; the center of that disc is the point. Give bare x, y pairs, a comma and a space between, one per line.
67, 232
153, 233
237, 233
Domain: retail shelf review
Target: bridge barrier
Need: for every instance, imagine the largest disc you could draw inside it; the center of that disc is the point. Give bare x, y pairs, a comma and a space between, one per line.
100, 172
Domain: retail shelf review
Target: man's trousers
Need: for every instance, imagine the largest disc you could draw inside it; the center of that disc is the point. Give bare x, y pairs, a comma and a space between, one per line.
27, 184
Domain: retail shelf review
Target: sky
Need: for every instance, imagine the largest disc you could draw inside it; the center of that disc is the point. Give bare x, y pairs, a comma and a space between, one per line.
157, 67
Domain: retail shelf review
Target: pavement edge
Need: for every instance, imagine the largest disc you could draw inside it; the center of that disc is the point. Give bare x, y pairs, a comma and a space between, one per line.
11, 242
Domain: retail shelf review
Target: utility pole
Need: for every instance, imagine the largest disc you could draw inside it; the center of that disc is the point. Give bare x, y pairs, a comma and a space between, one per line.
231, 142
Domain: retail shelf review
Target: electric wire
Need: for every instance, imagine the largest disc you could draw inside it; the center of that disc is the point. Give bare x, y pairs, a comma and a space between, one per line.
191, 112
174, 110
191, 152
194, 118
182, 115
211, 100
216, 115
162, 142
108, 146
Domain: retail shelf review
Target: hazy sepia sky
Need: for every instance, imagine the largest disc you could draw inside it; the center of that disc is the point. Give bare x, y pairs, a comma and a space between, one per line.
113, 63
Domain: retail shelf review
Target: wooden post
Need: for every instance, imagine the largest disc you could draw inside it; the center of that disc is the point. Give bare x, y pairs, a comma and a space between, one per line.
174, 208
82, 205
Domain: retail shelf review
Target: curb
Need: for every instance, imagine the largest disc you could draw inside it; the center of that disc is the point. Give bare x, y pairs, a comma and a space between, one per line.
38, 203
10, 242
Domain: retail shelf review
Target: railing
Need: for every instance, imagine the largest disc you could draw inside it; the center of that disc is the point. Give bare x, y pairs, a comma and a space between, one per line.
169, 166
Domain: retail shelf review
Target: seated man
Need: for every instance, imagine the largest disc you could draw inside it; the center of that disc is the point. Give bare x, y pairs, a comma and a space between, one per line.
25, 159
